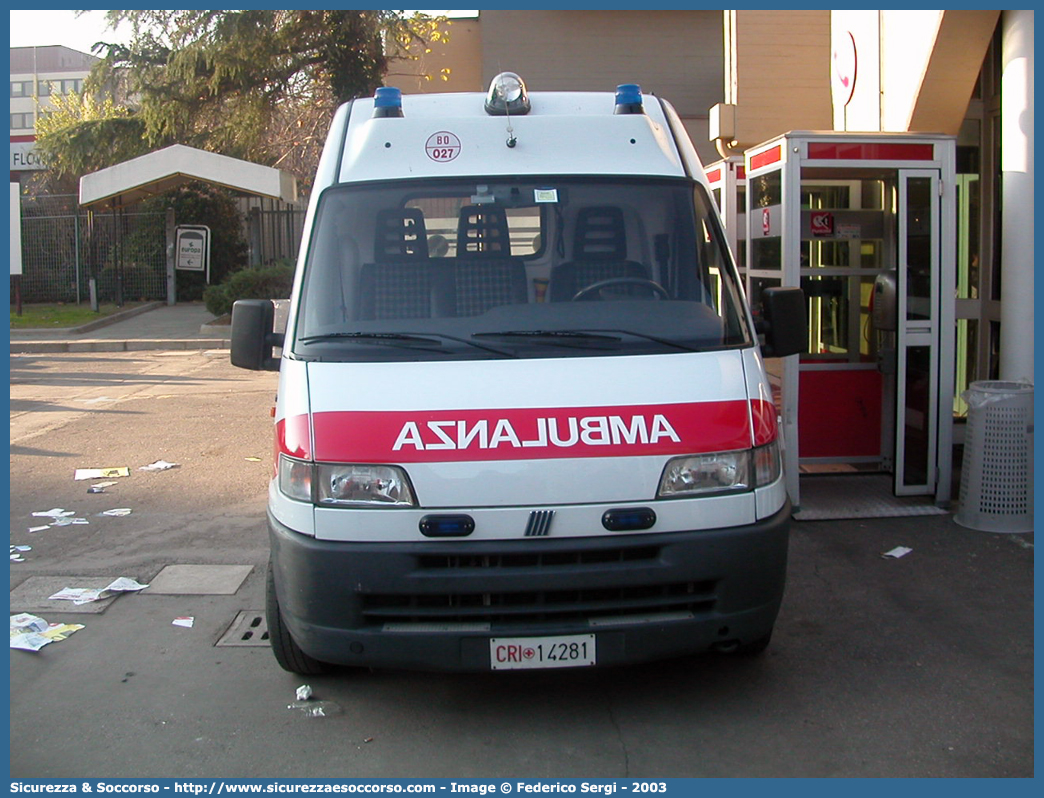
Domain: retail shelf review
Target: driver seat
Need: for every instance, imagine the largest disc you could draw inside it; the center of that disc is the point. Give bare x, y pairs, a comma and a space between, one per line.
599, 253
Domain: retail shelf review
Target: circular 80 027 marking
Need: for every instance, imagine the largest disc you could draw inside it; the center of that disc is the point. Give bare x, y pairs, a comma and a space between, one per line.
442, 146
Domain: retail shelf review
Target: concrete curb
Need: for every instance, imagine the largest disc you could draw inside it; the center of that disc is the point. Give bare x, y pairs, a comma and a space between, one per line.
103, 345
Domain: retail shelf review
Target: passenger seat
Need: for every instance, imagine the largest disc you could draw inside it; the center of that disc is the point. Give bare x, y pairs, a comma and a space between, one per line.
485, 273
402, 283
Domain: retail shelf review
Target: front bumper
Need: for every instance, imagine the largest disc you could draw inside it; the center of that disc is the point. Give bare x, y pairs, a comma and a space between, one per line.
435, 605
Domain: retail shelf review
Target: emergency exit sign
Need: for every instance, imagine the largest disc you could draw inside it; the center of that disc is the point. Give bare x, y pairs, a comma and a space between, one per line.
192, 249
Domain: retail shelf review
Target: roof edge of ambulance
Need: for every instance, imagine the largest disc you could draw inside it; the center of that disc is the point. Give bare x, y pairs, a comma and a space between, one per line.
574, 133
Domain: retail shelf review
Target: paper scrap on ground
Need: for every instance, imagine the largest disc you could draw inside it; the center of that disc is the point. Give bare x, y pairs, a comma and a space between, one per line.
69, 522
59, 517
101, 473
85, 595
118, 512
184, 620
896, 553
57, 512
159, 465
124, 585
78, 595
304, 692
31, 633
18, 551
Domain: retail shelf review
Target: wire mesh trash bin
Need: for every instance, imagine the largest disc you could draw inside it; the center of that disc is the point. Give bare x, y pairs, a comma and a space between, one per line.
997, 473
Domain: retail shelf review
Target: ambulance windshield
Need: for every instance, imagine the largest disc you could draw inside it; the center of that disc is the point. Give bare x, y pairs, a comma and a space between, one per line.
534, 267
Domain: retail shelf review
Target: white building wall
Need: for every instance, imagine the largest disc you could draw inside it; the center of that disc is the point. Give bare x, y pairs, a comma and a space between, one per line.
1016, 350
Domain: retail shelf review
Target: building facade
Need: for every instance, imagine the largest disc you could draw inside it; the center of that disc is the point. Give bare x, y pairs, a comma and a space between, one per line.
39, 74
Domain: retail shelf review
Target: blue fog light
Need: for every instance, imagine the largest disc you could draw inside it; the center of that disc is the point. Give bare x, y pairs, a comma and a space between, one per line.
629, 519
447, 526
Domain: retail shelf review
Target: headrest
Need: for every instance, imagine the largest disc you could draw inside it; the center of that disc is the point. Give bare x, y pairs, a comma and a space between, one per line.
482, 232
400, 235
600, 234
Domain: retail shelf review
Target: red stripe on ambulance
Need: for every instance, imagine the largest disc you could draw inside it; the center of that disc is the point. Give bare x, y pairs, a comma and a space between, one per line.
531, 433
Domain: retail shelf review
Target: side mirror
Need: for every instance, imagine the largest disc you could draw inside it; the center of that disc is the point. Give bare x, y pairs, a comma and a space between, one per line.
253, 335
785, 321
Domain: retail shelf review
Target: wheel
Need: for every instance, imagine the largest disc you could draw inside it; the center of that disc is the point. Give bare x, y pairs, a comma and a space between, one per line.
595, 288
287, 653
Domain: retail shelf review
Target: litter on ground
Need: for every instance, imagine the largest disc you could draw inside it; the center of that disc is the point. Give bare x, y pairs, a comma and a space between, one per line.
159, 465
85, 595
101, 473
896, 553
59, 517
117, 512
57, 512
31, 633
184, 620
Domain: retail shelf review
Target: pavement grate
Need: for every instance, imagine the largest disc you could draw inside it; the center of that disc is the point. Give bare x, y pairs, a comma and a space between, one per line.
248, 628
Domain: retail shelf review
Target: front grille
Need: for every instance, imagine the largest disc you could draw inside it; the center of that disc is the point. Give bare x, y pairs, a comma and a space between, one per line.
528, 607
539, 560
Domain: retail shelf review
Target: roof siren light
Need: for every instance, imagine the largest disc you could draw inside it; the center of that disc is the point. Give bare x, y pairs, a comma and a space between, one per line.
629, 99
387, 101
507, 96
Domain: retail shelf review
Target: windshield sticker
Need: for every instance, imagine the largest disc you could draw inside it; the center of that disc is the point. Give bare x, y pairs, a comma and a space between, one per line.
545, 195
442, 146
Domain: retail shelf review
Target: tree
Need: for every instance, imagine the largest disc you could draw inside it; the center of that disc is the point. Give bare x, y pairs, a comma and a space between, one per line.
82, 133
253, 84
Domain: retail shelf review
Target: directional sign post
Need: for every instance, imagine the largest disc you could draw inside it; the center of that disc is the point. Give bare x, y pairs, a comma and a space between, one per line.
192, 249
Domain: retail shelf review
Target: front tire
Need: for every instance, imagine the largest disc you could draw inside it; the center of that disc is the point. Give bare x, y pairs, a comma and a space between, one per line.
287, 653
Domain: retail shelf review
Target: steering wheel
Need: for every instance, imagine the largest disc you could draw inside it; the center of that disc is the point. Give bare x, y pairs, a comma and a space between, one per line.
588, 291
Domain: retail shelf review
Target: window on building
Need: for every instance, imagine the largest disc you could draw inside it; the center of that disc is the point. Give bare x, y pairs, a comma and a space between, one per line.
21, 88
22, 121
72, 85
44, 88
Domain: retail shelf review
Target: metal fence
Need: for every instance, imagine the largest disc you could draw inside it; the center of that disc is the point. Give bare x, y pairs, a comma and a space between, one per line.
64, 247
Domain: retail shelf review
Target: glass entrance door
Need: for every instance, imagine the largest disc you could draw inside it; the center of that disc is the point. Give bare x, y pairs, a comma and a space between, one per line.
917, 344
869, 382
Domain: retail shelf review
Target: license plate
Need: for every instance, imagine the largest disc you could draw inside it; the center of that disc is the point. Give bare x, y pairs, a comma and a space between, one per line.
563, 651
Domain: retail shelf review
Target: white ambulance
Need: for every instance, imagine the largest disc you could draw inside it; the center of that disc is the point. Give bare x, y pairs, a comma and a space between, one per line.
523, 419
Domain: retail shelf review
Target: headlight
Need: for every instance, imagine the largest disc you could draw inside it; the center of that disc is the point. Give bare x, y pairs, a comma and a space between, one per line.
355, 485
345, 485
721, 472
705, 473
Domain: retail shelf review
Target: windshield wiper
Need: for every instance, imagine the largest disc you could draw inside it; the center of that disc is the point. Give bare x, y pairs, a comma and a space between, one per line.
658, 340
557, 337
408, 338
403, 339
